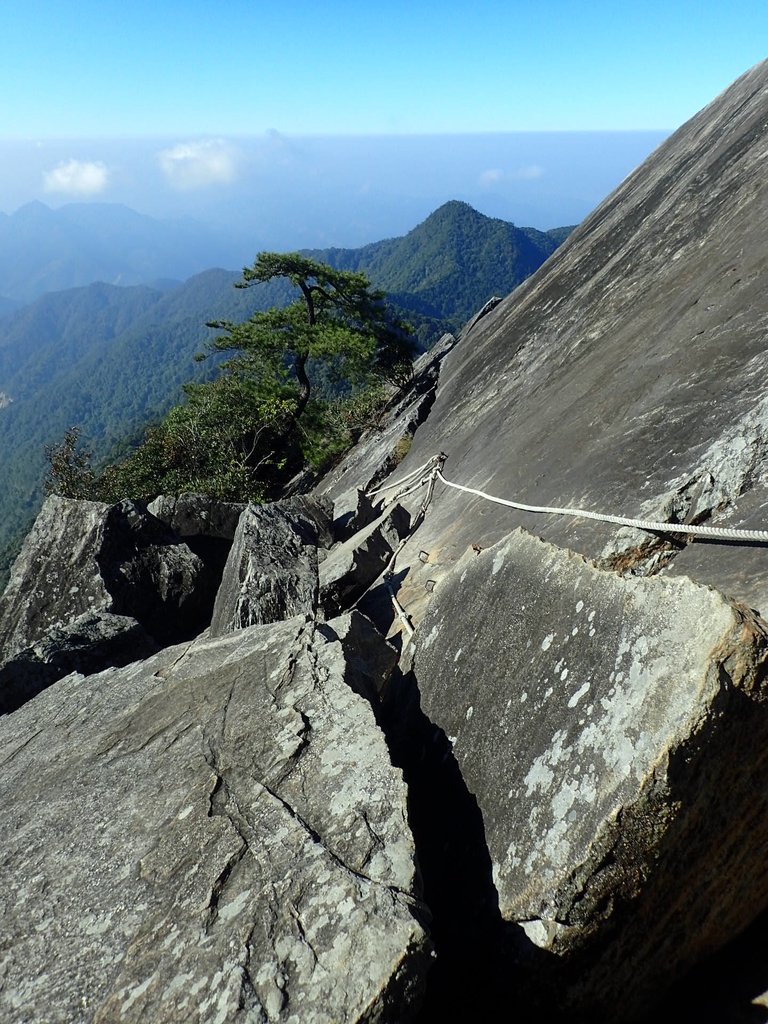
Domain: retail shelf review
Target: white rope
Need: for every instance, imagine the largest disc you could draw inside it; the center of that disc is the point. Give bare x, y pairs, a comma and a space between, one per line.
409, 476
409, 490
720, 533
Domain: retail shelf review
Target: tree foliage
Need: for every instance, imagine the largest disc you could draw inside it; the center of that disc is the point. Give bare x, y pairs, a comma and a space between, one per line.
70, 472
244, 434
338, 320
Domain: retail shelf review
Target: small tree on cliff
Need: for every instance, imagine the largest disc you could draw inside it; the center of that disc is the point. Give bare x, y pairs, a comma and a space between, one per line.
338, 321
244, 434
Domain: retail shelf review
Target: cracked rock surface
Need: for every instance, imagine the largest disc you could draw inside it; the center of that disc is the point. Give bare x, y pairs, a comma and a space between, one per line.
271, 570
352, 566
596, 721
216, 834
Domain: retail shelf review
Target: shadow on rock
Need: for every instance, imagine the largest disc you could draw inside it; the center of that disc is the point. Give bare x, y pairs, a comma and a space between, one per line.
479, 957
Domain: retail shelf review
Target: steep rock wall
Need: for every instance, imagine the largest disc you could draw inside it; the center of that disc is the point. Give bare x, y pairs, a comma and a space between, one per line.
628, 374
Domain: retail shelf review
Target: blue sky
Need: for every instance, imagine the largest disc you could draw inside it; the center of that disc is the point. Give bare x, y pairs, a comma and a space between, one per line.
104, 68
338, 122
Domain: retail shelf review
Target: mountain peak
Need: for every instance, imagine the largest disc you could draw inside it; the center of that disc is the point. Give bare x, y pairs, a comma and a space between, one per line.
32, 210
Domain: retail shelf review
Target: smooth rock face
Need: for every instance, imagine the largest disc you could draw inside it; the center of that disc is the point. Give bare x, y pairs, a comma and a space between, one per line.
271, 572
627, 369
353, 566
216, 834
85, 556
91, 642
596, 720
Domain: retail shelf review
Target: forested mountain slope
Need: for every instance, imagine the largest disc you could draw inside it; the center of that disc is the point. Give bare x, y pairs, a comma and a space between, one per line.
452, 263
105, 358
111, 359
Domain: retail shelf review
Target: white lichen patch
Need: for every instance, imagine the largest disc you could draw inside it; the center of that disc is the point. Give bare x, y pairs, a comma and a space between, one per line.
584, 688
235, 907
637, 695
431, 637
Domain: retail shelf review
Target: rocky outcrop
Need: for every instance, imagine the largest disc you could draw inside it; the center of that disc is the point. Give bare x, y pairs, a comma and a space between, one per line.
595, 721
85, 556
351, 568
383, 446
352, 512
583, 743
216, 834
89, 643
271, 572
370, 659
629, 367
198, 515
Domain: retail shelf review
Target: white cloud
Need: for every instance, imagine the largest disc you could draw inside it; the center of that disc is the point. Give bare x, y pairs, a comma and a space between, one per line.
494, 175
529, 173
198, 164
77, 178
491, 177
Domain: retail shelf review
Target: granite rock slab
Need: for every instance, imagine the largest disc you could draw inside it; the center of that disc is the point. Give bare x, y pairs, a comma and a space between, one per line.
614, 733
216, 834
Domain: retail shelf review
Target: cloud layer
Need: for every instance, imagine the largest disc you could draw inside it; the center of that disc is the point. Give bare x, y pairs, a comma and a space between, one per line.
494, 175
77, 178
191, 165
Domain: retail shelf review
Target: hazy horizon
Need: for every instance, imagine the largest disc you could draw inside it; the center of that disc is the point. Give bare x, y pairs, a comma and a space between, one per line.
275, 191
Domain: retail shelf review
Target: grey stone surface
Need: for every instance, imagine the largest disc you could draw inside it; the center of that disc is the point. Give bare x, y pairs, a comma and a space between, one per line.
193, 515
83, 556
371, 660
271, 571
353, 566
596, 720
214, 835
352, 512
91, 642
627, 368
319, 510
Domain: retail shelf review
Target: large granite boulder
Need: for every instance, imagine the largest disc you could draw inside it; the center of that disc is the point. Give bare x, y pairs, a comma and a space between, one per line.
198, 515
86, 556
614, 733
216, 834
271, 571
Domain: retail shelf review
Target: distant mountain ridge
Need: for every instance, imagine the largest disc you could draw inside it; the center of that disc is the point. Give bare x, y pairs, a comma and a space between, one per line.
44, 250
448, 266
112, 359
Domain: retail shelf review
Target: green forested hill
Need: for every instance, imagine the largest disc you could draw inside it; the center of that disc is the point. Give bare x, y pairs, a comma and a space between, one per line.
111, 359
452, 263
108, 359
